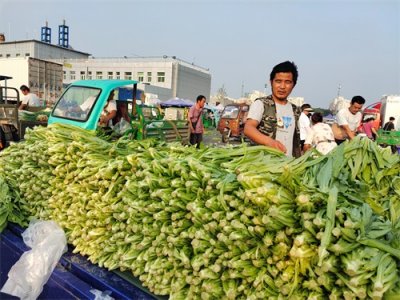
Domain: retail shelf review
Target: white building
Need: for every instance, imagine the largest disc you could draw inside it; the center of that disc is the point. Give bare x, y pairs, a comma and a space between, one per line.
165, 76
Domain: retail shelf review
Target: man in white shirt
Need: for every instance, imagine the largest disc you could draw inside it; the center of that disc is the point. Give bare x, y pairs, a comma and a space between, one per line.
304, 123
348, 120
28, 99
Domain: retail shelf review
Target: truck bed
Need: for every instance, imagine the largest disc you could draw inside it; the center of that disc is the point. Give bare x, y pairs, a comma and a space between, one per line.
73, 277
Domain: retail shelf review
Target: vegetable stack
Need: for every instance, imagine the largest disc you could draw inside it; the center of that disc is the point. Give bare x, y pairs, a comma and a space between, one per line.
219, 223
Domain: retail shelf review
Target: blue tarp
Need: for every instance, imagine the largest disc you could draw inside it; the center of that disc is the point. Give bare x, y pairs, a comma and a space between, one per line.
177, 102
126, 93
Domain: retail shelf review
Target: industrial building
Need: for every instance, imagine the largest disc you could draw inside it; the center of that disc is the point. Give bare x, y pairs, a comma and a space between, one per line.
164, 77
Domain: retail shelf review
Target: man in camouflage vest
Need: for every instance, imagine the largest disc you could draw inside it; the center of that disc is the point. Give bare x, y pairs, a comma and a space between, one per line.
273, 121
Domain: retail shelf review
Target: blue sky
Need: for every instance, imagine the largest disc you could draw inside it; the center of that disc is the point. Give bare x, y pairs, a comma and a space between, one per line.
354, 44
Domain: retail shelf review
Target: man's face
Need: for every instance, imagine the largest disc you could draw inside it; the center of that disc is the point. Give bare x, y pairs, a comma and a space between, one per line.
202, 102
355, 108
282, 85
24, 92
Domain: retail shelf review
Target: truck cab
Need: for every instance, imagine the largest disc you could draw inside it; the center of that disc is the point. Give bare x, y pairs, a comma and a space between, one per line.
232, 120
83, 102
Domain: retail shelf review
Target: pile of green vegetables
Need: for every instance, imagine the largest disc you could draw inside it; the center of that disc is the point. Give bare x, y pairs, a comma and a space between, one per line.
218, 223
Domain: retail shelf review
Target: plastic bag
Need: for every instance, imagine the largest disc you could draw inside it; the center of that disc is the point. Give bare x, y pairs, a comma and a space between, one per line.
31, 272
122, 126
99, 295
337, 104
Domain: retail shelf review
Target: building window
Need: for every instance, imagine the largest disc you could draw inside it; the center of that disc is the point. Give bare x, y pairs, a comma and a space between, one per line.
117, 75
27, 54
99, 75
17, 55
65, 75
8, 55
160, 76
128, 75
148, 76
140, 76
110, 75
72, 75
90, 75
1, 55
83, 75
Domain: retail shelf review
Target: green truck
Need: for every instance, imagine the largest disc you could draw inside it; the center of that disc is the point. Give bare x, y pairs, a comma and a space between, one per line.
133, 118
13, 122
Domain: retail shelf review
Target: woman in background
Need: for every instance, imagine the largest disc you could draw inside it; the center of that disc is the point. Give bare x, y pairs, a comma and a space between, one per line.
320, 136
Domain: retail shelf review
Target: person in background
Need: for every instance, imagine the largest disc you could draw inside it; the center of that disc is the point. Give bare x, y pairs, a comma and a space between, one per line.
320, 135
348, 120
304, 123
368, 128
389, 126
109, 112
273, 121
28, 99
195, 121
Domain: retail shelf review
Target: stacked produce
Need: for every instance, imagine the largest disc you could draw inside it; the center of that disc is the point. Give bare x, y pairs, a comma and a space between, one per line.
219, 223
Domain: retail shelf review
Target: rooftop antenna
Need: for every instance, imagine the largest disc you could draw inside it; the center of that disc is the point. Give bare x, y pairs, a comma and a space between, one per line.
46, 34
338, 92
242, 89
63, 35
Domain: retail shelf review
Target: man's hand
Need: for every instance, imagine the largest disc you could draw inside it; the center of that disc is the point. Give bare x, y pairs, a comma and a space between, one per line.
277, 145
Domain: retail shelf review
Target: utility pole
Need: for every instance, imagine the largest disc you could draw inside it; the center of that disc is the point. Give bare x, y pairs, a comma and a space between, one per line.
338, 92
242, 89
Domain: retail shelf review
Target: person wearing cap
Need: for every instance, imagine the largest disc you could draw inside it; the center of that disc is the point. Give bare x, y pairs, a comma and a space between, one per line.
348, 120
320, 135
273, 121
304, 123
29, 99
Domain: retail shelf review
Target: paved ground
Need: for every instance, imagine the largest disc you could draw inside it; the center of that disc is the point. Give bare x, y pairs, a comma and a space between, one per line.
212, 137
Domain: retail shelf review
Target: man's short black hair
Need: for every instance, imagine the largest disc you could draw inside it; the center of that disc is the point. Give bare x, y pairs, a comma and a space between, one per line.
285, 67
357, 99
200, 97
24, 88
391, 119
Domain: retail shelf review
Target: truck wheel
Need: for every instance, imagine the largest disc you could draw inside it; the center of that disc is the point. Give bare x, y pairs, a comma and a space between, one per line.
225, 136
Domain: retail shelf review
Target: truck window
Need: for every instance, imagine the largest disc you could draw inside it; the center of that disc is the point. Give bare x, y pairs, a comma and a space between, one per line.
76, 103
230, 112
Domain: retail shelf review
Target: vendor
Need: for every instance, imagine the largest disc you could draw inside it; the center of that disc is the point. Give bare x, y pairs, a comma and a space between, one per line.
109, 112
28, 99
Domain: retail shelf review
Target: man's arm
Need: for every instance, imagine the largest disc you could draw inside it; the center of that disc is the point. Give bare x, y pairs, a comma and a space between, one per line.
190, 115
351, 134
251, 131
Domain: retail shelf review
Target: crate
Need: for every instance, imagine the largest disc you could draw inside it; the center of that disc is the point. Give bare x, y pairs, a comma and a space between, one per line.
388, 137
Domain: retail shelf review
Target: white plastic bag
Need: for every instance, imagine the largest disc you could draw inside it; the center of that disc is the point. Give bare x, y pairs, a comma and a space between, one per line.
122, 126
31, 272
99, 295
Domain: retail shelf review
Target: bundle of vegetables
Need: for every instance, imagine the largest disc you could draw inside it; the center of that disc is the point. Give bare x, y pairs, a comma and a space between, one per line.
40, 116
219, 223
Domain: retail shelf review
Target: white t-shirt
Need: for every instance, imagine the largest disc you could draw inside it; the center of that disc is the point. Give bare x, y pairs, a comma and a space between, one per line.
345, 117
256, 111
304, 125
285, 126
112, 105
31, 100
321, 136
285, 122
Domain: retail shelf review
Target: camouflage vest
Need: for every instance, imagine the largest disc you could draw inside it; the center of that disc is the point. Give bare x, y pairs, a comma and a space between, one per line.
268, 123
